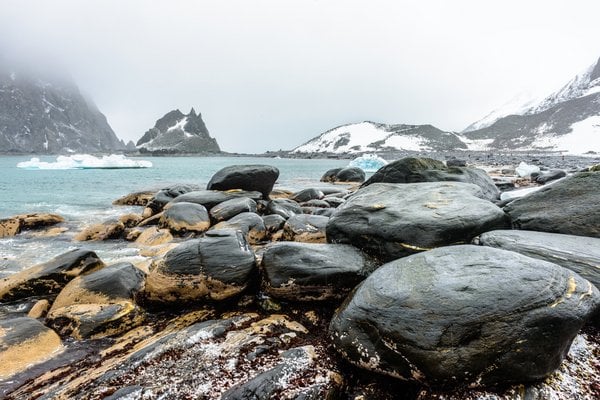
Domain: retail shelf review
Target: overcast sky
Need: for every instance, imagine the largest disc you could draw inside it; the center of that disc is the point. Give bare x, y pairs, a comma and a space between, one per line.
273, 74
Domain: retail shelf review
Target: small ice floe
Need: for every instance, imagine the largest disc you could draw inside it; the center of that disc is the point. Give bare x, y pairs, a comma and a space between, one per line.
85, 161
368, 162
525, 170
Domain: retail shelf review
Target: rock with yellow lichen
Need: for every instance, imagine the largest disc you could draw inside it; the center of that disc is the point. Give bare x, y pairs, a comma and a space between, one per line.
250, 224
103, 231
185, 217
25, 342
216, 266
49, 278
99, 304
305, 228
464, 315
14, 225
393, 220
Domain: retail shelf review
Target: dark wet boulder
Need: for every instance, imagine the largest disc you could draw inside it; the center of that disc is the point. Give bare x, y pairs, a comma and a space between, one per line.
350, 174
577, 253
308, 271
413, 170
391, 221
273, 222
211, 198
185, 217
299, 376
99, 304
548, 176
306, 195
260, 178
305, 228
250, 224
334, 201
49, 278
330, 175
326, 212
464, 315
216, 266
164, 196
569, 206
315, 203
456, 162
25, 342
135, 199
284, 207
231, 208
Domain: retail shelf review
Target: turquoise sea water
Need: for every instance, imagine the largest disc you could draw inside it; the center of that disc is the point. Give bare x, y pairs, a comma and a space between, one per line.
84, 197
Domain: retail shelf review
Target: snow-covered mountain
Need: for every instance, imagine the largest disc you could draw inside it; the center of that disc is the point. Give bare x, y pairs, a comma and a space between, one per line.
370, 136
47, 115
566, 120
178, 133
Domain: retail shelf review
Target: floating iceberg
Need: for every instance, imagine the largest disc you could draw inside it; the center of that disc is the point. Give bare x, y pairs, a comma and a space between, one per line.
85, 161
368, 162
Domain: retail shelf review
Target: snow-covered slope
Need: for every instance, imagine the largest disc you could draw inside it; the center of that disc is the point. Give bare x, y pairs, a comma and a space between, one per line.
567, 120
370, 136
583, 84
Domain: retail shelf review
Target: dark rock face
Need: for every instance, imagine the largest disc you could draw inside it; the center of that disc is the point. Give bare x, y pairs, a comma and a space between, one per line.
330, 175
548, 176
217, 266
283, 207
306, 195
260, 178
352, 174
391, 221
99, 304
50, 277
455, 162
185, 217
569, 206
50, 116
211, 198
579, 254
307, 271
413, 170
178, 133
464, 315
24, 342
305, 228
164, 196
231, 208
251, 225
273, 222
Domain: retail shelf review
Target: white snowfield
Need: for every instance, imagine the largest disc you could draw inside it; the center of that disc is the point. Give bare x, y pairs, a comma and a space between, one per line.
359, 138
85, 161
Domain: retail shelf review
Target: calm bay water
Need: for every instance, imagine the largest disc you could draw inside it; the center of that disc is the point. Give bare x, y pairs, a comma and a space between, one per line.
85, 196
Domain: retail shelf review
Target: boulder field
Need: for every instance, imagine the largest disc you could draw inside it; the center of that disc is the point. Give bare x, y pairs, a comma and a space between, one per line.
411, 286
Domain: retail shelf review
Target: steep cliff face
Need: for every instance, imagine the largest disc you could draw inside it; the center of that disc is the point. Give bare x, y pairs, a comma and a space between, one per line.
178, 133
50, 116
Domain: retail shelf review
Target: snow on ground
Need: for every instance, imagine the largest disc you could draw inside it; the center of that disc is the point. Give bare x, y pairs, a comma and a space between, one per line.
584, 137
179, 125
476, 144
406, 143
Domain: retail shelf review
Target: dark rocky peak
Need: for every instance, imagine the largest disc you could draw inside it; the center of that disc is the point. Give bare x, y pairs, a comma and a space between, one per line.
169, 120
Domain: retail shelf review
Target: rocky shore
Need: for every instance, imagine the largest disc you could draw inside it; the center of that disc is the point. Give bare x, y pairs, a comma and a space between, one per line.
428, 280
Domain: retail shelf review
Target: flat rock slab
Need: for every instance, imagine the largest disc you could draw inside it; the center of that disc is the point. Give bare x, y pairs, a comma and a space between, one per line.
577, 253
24, 342
464, 315
412, 170
49, 278
568, 206
216, 266
260, 178
391, 221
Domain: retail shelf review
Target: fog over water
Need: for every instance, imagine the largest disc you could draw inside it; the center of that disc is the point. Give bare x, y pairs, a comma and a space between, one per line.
272, 74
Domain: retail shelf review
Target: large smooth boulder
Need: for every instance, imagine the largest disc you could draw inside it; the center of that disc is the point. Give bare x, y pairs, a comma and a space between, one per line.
413, 170
260, 178
463, 315
568, 206
579, 254
250, 224
305, 228
104, 231
308, 271
99, 304
185, 217
306, 195
350, 174
25, 342
49, 278
391, 220
231, 208
211, 198
216, 266
164, 196
283, 207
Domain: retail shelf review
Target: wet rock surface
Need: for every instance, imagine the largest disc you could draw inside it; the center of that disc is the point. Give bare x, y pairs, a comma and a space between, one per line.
185, 217
260, 178
305, 228
464, 315
14, 225
231, 208
394, 220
